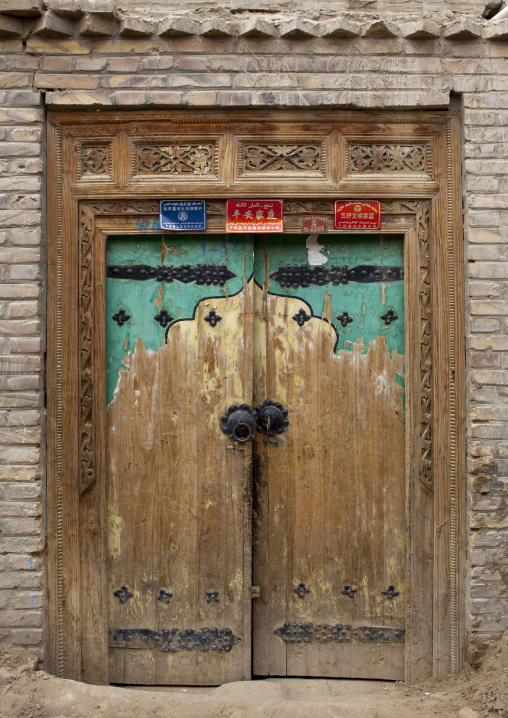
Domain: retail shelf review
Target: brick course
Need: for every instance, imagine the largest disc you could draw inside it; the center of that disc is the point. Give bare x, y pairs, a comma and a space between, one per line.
98, 60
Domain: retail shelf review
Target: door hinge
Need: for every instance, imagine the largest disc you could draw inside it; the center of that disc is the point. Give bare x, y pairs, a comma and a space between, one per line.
255, 591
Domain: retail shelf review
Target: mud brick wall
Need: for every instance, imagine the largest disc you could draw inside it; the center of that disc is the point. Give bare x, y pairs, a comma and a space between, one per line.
401, 55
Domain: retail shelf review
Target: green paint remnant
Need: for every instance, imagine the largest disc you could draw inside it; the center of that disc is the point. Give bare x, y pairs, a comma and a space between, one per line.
364, 303
142, 299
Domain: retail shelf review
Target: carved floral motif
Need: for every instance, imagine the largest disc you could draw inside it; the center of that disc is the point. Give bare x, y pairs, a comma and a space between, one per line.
95, 160
388, 158
425, 351
295, 157
175, 159
86, 448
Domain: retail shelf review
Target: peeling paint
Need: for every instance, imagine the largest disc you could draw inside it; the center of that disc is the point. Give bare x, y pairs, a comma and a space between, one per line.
314, 251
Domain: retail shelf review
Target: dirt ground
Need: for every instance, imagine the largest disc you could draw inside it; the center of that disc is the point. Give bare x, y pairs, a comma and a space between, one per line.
26, 692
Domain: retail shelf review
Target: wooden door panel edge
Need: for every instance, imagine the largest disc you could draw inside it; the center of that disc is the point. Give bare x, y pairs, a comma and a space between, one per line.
76, 613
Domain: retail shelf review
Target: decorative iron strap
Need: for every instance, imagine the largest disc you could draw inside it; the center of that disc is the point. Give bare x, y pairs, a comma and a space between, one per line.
301, 275
216, 274
292, 632
172, 639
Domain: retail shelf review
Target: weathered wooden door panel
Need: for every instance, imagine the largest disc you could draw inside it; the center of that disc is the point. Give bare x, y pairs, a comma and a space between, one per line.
87, 208
329, 555
329, 498
179, 329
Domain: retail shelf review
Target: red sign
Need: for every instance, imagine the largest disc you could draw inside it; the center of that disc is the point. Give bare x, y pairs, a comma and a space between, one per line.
313, 222
254, 215
357, 214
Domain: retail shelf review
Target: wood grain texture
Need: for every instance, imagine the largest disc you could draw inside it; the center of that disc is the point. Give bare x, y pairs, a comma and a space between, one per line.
330, 499
178, 493
121, 203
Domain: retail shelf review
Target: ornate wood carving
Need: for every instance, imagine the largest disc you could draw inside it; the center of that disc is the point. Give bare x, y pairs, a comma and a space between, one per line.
421, 210
86, 448
317, 206
121, 207
197, 160
387, 157
425, 349
67, 356
455, 371
281, 158
94, 160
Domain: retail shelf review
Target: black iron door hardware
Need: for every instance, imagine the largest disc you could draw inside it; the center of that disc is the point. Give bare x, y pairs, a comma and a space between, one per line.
272, 418
121, 317
297, 632
213, 318
216, 274
239, 423
390, 592
349, 591
301, 590
164, 596
389, 317
301, 275
174, 639
123, 594
301, 317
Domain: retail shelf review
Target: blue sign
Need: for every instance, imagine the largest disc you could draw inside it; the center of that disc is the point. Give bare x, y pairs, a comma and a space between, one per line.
183, 215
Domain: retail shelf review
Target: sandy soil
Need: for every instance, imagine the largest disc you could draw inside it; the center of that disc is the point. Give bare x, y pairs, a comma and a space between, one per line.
26, 692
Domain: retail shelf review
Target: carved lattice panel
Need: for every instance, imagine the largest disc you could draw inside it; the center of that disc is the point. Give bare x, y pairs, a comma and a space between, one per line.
404, 157
189, 159
257, 158
94, 160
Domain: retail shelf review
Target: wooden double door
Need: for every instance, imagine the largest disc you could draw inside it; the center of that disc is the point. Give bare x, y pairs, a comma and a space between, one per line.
255, 457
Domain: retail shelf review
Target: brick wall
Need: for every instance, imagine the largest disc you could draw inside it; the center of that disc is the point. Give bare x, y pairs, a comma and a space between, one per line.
65, 57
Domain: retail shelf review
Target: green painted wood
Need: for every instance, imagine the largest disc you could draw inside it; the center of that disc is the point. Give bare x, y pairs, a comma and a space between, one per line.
365, 303
141, 299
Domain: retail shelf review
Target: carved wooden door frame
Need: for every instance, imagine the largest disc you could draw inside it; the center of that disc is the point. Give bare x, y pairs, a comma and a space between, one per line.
106, 173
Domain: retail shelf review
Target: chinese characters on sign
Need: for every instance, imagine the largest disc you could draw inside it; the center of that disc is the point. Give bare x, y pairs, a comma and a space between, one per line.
314, 223
357, 214
183, 215
254, 215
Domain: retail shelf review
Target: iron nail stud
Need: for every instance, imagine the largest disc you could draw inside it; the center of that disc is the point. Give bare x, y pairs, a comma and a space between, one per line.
121, 317
301, 590
123, 594
164, 596
390, 592
349, 591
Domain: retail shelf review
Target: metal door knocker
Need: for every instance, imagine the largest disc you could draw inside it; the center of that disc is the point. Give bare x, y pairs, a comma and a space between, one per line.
239, 423
272, 418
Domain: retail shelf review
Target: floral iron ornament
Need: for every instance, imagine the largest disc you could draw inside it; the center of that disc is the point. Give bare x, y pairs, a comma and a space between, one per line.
301, 317
301, 590
121, 317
